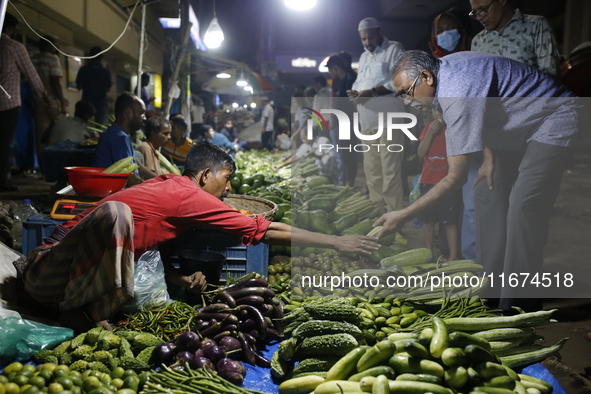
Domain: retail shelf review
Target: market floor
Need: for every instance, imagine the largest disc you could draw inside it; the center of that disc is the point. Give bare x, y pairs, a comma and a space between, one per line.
568, 246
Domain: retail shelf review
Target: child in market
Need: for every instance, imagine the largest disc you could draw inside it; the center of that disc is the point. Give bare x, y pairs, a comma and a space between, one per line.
432, 150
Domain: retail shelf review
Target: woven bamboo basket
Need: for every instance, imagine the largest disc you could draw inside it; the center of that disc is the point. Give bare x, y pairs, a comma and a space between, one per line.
256, 205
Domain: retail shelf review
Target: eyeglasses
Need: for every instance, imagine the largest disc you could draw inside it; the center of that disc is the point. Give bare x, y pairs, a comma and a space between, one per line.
482, 11
406, 93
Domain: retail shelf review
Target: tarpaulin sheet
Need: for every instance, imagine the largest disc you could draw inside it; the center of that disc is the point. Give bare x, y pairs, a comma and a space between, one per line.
258, 378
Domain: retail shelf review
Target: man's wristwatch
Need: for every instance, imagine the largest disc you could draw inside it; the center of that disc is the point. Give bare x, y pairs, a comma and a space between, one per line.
374, 92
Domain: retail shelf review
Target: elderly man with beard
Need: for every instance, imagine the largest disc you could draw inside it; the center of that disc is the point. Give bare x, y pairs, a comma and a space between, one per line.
382, 168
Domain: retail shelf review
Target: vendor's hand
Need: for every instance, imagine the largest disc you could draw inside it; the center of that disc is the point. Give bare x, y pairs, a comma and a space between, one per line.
357, 244
391, 221
195, 283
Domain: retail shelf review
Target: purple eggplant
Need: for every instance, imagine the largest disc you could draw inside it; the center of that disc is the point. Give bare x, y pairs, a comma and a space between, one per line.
264, 292
256, 315
247, 325
162, 354
246, 349
253, 300
260, 360
189, 341
185, 357
251, 339
230, 327
232, 346
199, 353
207, 342
204, 363
267, 309
217, 316
221, 335
214, 353
213, 308
225, 298
231, 370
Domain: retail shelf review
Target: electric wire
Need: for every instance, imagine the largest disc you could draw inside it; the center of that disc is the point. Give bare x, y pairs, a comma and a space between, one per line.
81, 57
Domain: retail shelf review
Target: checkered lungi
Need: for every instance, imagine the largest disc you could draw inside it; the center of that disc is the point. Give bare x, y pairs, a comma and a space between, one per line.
91, 265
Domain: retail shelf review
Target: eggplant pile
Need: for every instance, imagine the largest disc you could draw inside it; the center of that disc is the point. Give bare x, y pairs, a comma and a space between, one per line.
239, 315
202, 353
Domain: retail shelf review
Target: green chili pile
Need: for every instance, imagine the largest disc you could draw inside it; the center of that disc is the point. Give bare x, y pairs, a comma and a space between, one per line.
166, 323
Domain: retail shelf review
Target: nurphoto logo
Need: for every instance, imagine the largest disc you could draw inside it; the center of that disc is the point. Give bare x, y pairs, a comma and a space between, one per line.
392, 122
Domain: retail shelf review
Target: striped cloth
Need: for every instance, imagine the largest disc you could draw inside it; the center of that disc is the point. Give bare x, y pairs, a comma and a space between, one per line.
91, 266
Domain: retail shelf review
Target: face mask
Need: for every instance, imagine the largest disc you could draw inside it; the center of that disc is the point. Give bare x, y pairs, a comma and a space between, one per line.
448, 39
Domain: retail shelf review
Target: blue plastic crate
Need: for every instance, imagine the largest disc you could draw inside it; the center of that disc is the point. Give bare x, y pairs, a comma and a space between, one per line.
35, 229
240, 259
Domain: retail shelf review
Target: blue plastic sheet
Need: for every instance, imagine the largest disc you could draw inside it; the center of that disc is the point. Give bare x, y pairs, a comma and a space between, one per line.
540, 372
258, 378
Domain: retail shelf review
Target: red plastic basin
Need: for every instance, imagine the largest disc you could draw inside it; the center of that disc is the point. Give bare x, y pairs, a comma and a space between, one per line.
92, 181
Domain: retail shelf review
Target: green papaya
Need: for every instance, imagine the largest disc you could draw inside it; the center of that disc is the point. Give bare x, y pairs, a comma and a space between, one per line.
313, 181
319, 222
360, 228
345, 222
381, 253
279, 214
322, 203
301, 219
398, 247
388, 239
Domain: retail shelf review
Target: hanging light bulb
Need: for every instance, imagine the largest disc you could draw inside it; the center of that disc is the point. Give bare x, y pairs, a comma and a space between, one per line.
214, 35
300, 5
241, 81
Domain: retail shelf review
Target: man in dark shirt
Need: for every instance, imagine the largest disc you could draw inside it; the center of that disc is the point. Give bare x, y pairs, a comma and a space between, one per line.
231, 133
95, 82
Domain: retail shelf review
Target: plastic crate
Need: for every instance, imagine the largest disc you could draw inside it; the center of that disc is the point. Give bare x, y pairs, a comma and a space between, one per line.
240, 259
35, 229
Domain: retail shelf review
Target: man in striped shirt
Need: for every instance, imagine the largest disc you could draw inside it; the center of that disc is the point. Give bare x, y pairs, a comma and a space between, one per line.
14, 61
178, 147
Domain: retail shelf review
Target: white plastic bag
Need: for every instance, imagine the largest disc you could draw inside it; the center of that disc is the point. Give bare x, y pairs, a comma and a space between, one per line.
150, 290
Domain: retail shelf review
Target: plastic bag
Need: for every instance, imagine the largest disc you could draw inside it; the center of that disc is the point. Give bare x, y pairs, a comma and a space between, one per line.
150, 290
20, 338
416, 192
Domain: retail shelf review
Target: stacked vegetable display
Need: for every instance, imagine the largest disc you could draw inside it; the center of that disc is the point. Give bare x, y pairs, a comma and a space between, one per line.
227, 330
440, 359
103, 350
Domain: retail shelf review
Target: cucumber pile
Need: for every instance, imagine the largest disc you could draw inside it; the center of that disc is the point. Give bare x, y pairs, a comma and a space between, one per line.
438, 360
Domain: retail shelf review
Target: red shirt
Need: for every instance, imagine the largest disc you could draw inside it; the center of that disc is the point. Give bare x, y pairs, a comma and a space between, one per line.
166, 206
435, 162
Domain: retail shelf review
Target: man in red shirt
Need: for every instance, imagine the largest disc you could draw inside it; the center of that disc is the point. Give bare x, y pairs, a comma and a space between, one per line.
86, 265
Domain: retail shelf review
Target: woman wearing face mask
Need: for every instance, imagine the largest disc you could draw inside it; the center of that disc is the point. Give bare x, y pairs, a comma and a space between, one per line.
448, 35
